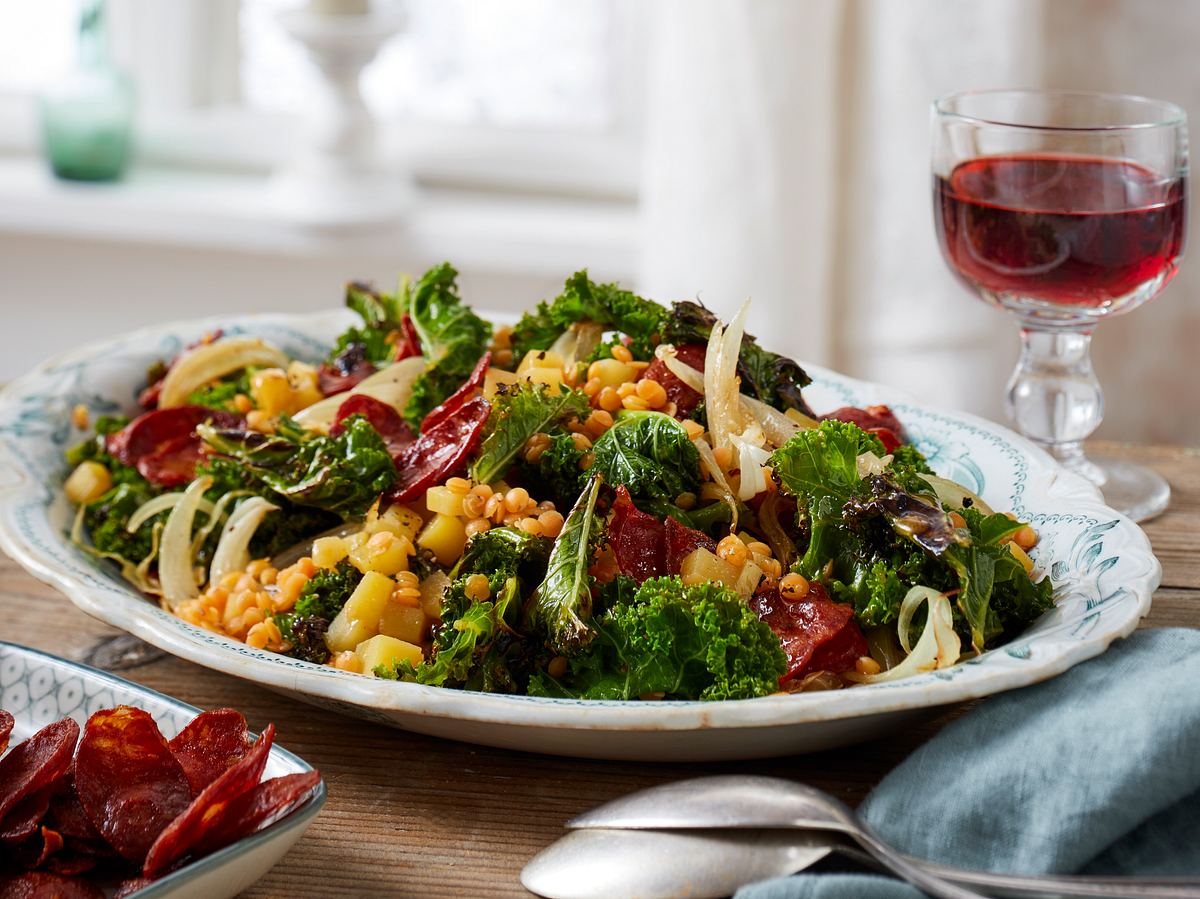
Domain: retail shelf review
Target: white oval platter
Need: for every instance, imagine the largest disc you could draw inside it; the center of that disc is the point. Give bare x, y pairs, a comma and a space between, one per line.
1100, 560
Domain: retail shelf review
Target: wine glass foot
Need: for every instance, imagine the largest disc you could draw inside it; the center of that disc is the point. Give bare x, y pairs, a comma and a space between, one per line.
1132, 490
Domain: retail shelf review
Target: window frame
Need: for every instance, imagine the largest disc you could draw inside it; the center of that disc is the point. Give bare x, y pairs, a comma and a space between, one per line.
191, 115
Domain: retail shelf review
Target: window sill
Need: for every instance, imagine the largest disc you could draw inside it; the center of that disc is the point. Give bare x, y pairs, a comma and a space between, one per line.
241, 213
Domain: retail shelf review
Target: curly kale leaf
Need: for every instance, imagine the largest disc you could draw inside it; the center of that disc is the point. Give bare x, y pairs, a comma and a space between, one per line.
558, 473
872, 539
319, 603
453, 338
674, 641
774, 379
502, 553
519, 413
373, 340
94, 450
562, 604
327, 591
822, 463
306, 634
221, 395
907, 458
650, 453
477, 647
278, 531
582, 299
105, 519
343, 474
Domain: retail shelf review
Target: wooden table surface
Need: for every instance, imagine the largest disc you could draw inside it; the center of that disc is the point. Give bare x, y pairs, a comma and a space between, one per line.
414, 815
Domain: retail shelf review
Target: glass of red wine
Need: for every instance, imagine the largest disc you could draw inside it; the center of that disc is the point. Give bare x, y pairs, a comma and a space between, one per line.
1064, 208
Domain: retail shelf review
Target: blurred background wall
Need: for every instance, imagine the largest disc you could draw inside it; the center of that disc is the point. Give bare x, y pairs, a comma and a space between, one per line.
721, 148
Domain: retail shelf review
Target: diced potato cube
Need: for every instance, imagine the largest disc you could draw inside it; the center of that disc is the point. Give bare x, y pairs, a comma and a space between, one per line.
701, 566
551, 377
355, 540
748, 579
403, 623
446, 537
433, 590
403, 521
443, 501
611, 372
540, 359
494, 378
384, 553
386, 651
328, 551
359, 617
271, 391
89, 481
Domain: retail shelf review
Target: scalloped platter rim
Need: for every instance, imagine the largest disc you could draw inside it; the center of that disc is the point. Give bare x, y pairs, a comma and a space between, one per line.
1101, 560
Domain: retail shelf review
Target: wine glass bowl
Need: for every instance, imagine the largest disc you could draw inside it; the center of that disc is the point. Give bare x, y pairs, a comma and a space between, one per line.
1064, 208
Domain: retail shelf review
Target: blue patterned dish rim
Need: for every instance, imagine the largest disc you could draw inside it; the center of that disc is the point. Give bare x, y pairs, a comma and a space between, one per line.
1101, 561
83, 690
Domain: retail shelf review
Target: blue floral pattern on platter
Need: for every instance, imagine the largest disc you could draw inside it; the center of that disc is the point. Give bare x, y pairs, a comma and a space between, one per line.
1101, 563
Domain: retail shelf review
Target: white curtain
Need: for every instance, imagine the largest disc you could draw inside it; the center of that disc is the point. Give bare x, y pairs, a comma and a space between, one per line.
788, 160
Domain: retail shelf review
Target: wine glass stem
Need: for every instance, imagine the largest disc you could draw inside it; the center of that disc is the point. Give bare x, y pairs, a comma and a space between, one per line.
1054, 397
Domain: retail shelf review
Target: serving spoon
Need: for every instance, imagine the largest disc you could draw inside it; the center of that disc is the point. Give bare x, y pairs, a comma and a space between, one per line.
747, 802
708, 863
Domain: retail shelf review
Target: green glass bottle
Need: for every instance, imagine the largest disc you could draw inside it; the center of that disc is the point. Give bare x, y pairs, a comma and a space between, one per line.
87, 120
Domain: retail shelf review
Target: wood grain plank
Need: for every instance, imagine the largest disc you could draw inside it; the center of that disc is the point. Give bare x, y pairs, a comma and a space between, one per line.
415, 816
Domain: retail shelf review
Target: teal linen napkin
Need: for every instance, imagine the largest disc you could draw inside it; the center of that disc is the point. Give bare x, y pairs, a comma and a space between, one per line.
1094, 772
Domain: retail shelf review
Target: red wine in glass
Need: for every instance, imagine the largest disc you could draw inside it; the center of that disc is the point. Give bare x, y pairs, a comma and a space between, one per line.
1043, 230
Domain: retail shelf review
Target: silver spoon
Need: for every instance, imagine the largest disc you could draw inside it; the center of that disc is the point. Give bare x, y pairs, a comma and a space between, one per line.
666, 864
749, 801
736, 801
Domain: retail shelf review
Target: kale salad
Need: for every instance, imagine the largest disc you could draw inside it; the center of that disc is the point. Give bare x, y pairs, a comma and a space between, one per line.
612, 499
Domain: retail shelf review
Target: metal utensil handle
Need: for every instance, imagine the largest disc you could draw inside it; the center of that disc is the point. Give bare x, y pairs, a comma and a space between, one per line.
1020, 887
916, 874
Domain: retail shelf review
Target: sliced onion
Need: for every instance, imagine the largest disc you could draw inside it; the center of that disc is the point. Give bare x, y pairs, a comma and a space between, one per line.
175, 571
143, 567
708, 462
782, 547
751, 459
391, 385
152, 507
129, 571
939, 646
952, 494
721, 389
868, 464
233, 549
748, 579
578, 342
777, 427
691, 377
214, 518
206, 363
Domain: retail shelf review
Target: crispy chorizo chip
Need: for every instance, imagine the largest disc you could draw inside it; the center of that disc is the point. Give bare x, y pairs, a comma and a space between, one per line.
129, 782
258, 808
23, 820
190, 827
37, 763
66, 815
6, 726
209, 745
34, 852
43, 885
